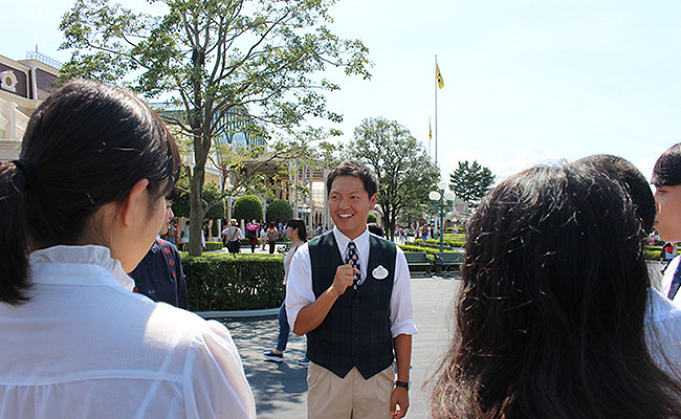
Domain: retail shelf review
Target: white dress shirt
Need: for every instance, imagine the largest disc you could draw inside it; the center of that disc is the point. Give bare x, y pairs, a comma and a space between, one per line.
299, 291
85, 346
668, 277
663, 332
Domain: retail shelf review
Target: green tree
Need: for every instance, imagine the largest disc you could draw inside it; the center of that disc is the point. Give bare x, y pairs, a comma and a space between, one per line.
223, 63
279, 210
211, 201
247, 207
400, 162
371, 218
470, 182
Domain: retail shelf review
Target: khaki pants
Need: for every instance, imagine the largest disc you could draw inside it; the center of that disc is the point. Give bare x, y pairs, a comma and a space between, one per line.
332, 397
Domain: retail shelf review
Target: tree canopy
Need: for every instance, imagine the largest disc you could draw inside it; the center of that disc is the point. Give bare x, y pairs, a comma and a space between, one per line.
470, 182
405, 172
210, 194
223, 66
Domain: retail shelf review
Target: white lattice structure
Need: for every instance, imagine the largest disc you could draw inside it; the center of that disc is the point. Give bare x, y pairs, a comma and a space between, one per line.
9, 150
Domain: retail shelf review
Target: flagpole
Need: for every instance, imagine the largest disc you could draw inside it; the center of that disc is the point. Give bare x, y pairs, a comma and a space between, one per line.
436, 86
430, 138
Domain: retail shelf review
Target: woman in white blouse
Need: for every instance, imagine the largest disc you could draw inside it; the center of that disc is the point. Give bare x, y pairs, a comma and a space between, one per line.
296, 232
79, 210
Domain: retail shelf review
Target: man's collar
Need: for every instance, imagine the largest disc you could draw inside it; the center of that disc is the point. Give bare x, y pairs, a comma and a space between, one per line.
342, 240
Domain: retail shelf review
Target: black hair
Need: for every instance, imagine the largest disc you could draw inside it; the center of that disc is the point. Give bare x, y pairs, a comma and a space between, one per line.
667, 170
300, 225
375, 229
630, 178
85, 146
354, 169
550, 319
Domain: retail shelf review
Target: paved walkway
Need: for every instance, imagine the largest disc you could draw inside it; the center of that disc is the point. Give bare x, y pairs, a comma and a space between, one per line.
280, 390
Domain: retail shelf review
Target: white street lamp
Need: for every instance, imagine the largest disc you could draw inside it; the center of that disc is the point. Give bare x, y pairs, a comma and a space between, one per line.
441, 199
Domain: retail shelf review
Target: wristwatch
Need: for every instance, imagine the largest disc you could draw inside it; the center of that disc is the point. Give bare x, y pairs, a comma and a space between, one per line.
404, 384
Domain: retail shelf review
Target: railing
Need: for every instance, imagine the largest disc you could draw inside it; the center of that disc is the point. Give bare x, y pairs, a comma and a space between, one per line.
39, 56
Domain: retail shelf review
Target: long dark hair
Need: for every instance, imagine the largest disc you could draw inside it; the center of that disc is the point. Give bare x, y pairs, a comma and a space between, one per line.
85, 146
551, 315
630, 178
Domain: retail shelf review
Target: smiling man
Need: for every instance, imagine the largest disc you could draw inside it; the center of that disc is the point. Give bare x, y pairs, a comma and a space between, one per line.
350, 292
667, 181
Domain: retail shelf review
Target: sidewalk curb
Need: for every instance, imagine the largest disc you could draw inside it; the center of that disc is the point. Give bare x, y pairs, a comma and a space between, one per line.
238, 314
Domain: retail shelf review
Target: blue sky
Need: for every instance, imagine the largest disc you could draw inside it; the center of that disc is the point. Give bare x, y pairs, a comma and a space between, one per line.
525, 81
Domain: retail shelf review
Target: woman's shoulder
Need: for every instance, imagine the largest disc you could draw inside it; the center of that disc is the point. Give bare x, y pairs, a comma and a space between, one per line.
181, 327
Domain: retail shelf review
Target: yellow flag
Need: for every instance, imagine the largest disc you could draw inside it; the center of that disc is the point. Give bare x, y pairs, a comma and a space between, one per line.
440, 81
430, 131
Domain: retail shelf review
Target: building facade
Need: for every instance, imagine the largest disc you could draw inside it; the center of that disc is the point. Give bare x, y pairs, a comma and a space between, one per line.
23, 86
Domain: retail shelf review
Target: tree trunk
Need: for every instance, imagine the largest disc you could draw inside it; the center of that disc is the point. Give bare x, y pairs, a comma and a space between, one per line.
196, 209
389, 221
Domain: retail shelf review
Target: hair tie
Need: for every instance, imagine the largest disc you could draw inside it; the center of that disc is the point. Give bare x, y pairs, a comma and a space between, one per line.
28, 172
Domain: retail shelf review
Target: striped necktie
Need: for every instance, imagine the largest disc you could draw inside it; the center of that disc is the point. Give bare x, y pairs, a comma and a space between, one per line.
353, 258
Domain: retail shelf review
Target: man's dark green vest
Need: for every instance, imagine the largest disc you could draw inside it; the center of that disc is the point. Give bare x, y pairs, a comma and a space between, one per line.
356, 332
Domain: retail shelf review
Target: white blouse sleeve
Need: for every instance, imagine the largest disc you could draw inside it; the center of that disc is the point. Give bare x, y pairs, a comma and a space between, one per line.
401, 306
299, 292
215, 385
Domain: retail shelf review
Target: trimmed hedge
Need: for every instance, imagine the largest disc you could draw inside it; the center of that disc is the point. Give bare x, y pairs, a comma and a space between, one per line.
652, 252
221, 281
428, 250
244, 242
457, 242
213, 246
209, 246
649, 252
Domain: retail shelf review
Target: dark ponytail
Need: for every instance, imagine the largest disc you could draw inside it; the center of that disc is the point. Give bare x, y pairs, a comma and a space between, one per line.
85, 146
13, 249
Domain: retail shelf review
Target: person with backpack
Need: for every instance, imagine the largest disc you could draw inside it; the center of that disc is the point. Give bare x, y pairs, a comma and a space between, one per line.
231, 237
271, 236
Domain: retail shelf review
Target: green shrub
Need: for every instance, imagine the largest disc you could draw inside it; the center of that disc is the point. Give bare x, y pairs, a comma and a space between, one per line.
279, 210
221, 281
247, 207
652, 252
371, 218
448, 242
213, 246
428, 250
